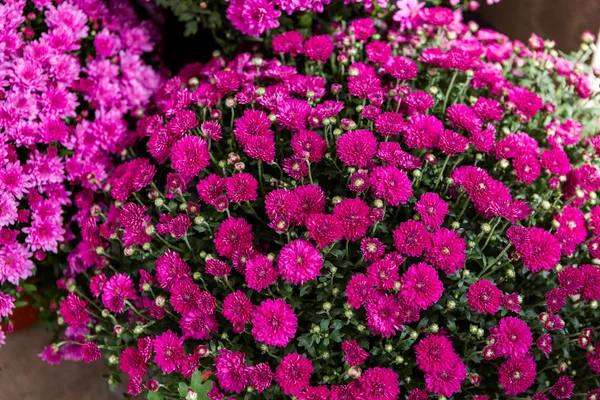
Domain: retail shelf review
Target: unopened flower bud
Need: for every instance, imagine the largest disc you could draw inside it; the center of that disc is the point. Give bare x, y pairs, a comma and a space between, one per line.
433, 90
579, 193
60, 321
354, 372
191, 395
510, 273
113, 359
230, 102
129, 251
99, 250
471, 244
466, 272
327, 306
473, 329
150, 230
138, 330
105, 313
348, 314
486, 227
260, 91
417, 173
451, 304
480, 332
389, 348
414, 335
594, 304
336, 200
504, 163
455, 225
199, 220
160, 301
378, 203
146, 287
146, 246
360, 328
434, 328
159, 202
545, 205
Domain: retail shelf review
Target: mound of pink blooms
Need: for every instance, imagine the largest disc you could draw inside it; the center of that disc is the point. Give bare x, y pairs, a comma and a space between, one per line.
373, 214
72, 80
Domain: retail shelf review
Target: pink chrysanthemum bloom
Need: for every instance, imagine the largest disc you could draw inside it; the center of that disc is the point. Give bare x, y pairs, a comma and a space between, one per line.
171, 268
418, 102
354, 216
90, 352
538, 249
372, 249
517, 374
261, 377
512, 302
391, 184
306, 200
237, 309
217, 268
544, 343
118, 289
189, 155
383, 314
359, 290
168, 351
383, 274
274, 323
73, 310
293, 374
380, 383
591, 285
571, 280
354, 354
231, 371
432, 209
315, 393
288, 43
356, 148
512, 337
378, 52
7, 304
447, 381
411, 238
484, 297
241, 187
50, 355
197, 324
418, 394
319, 48
362, 28
434, 353
233, 233
563, 388
260, 272
423, 131
421, 285
572, 230
555, 300
324, 229
446, 250
389, 124
309, 145
408, 13
299, 262
253, 17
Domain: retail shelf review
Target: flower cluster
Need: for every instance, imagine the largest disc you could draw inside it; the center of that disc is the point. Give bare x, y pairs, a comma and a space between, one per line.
255, 17
373, 214
72, 80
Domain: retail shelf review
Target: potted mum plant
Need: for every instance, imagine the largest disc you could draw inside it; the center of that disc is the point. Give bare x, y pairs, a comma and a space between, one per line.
382, 209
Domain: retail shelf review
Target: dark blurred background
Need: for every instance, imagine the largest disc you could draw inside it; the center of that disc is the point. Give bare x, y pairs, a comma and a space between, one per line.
560, 20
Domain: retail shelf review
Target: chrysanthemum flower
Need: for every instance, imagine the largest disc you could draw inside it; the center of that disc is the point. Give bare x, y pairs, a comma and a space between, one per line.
237, 309
432, 209
231, 371
421, 285
484, 297
517, 374
411, 238
446, 250
274, 323
299, 262
380, 383
293, 373
260, 272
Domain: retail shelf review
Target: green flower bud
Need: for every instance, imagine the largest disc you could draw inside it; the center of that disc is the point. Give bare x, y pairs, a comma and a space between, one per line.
159, 202
113, 359
389, 348
327, 306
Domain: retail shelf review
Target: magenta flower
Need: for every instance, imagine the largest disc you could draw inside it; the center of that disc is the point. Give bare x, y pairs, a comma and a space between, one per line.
517, 374
73, 310
484, 297
380, 383
117, 290
274, 323
299, 262
293, 374
432, 209
421, 285
354, 354
231, 371
237, 309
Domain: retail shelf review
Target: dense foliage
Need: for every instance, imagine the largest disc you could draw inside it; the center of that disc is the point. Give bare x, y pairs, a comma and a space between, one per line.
380, 212
72, 80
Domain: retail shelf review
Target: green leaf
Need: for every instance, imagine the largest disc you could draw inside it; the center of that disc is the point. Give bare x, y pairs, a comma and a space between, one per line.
183, 388
196, 382
154, 396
